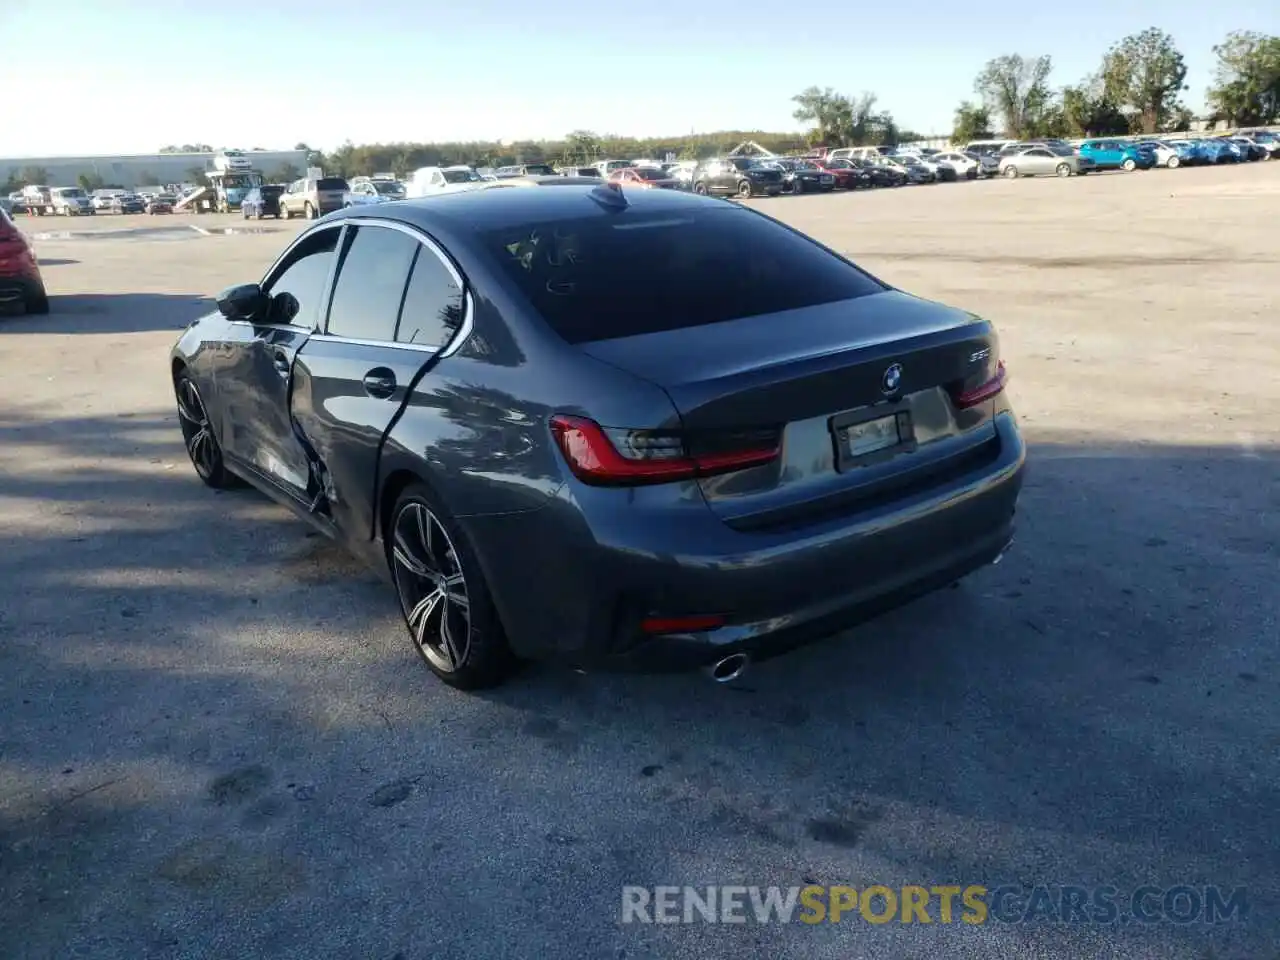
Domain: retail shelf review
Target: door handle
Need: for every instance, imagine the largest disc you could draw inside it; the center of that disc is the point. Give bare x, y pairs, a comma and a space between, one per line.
280, 360
380, 383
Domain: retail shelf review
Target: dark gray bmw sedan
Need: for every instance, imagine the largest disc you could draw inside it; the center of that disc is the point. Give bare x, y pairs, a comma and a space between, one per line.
636, 429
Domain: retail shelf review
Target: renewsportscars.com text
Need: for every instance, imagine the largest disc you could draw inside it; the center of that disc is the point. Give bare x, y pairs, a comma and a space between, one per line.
973, 904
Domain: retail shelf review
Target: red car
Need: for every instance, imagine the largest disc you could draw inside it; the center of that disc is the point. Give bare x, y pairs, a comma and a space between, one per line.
646, 178
848, 177
20, 280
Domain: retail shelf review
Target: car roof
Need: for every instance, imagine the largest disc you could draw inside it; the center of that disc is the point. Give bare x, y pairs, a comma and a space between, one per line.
498, 208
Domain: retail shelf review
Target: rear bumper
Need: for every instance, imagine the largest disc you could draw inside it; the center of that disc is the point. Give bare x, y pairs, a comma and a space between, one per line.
576, 590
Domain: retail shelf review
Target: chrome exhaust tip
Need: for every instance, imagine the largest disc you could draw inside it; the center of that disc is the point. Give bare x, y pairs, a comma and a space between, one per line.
730, 668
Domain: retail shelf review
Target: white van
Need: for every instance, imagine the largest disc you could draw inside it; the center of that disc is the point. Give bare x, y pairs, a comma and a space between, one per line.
983, 147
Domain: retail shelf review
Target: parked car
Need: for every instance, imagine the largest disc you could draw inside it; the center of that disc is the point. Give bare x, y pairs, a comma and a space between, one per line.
1249, 149
366, 190
803, 176
1267, 139
102, 199
846, 174
682, 170
916, 172
608, 428
525, 170
17, 203
1117, 155
942, 172
313, 197
427, 181
161, 203
263, 201
1166, 156
20, 280
1045, 162
128, 203
644, 178
1218, 151
964, 165
880, 174
738, 176
581, 172
70, 202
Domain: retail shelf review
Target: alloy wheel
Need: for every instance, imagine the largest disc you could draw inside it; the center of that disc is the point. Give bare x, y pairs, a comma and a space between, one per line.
432, 587
196, 430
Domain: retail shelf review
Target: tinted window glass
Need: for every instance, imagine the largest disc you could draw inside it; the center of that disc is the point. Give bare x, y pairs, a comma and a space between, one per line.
331, 183
366, 298
296, 292
604, 277
433, 304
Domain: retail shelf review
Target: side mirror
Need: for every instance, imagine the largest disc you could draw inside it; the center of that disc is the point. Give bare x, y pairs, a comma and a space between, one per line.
243, 302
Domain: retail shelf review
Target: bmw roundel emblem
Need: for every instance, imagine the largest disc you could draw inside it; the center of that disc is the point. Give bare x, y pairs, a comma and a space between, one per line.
892, 379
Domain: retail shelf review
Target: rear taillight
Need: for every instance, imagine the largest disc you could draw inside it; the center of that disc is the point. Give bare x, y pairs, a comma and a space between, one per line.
610, 457
963, 399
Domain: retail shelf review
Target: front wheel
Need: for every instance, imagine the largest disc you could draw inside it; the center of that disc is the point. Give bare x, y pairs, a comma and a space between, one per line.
38, 303
700, 189
1174, 163
197, 434
285, 213
443, 595
1130, 165
1011, 172
309, 211
1064, 170
744, 190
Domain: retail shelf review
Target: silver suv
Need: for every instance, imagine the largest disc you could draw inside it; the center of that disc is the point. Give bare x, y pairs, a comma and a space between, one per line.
313, 197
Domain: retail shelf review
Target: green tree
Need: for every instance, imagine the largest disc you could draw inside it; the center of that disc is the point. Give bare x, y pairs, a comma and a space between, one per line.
90, 182
972, 122
1088, 111
580, 147
1016, 89
1246, 89
1144, 73
33, 176
289, 173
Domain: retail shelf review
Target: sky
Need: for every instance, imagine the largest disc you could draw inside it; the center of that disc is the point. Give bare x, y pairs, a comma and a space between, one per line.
135, 77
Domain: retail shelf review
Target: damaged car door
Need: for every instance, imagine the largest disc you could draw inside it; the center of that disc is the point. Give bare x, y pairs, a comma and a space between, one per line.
255, 383
396, 301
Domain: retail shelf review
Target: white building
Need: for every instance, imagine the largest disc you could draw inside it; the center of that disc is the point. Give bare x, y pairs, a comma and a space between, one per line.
145, 170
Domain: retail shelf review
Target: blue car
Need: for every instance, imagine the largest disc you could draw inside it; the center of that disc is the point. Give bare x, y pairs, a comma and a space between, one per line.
1220, 151
262, 202
1117, 155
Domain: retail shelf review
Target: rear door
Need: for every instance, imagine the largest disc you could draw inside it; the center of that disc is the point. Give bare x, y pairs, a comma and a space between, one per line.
396, 302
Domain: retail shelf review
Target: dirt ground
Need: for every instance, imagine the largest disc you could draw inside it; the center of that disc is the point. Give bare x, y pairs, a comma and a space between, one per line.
216, 741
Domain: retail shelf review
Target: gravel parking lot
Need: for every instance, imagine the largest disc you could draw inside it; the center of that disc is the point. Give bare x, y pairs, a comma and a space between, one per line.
216, 740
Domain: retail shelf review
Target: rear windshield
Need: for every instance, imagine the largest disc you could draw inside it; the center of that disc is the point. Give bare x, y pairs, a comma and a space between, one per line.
331, 183
538, 169
605, 277
649, 173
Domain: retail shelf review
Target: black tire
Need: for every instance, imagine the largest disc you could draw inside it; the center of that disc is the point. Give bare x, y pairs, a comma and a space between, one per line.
1174, 162
38, 303
1063, 170
1129, 165
1011, 172
197, 436
430, 556
700, 189
309, 211
744, 190
285, 214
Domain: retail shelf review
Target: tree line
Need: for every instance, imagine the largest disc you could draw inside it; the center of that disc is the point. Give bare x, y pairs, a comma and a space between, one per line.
1136, 89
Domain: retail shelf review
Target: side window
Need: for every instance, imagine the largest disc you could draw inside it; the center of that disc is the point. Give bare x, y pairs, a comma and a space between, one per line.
433, 304
437, 179
370, 285
296, 290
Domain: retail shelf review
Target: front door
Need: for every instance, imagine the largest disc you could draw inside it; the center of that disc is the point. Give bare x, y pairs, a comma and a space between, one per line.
258, 432
395, 303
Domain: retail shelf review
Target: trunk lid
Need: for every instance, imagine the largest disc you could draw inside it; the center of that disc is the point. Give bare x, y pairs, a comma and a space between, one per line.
851, 431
